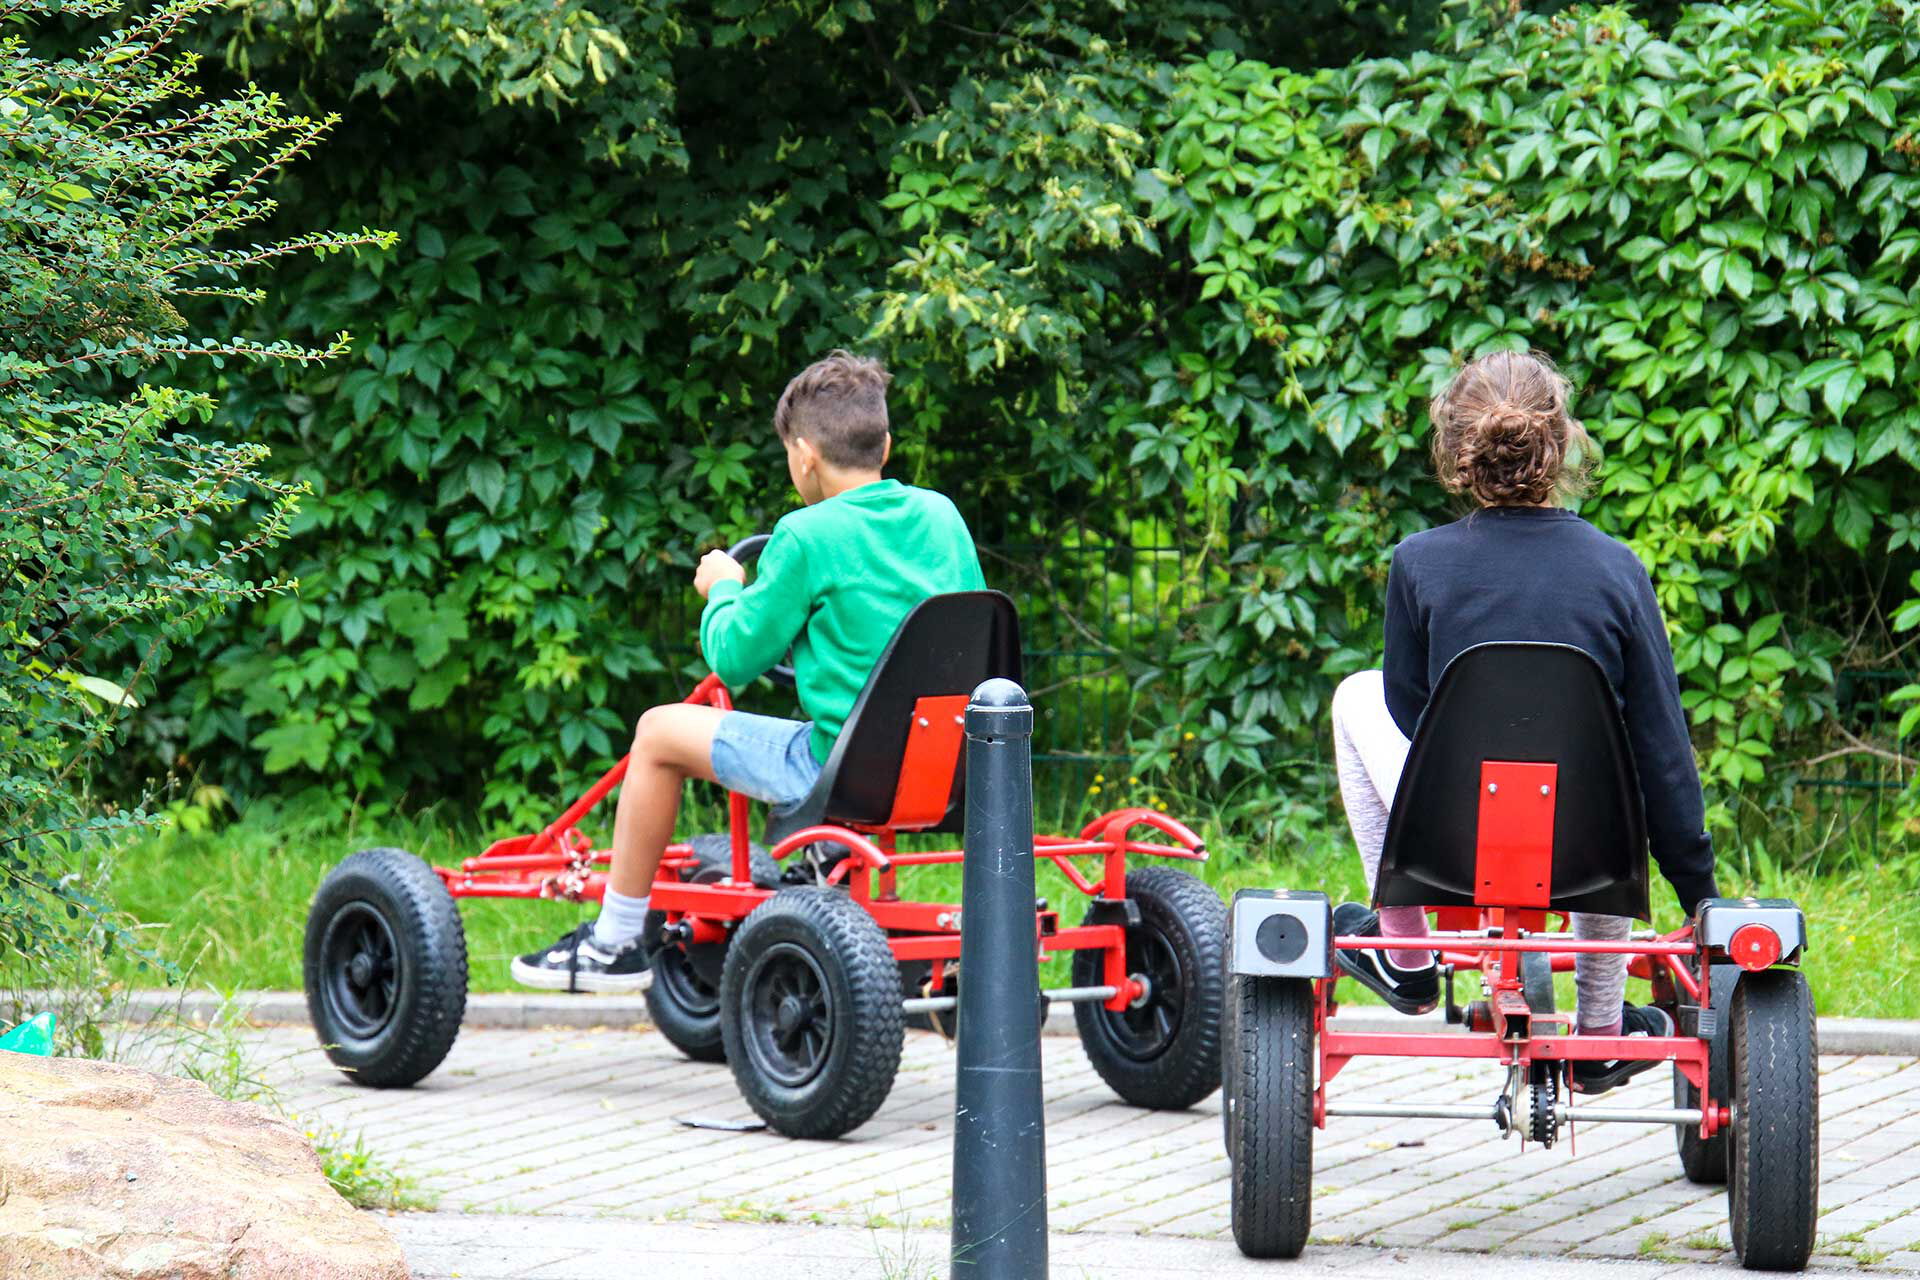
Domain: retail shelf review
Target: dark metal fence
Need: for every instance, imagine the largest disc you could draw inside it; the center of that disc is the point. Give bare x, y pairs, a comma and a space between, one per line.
1092, 608
1846, 801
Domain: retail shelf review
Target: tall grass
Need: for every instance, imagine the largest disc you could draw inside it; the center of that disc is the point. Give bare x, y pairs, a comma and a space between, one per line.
228, 903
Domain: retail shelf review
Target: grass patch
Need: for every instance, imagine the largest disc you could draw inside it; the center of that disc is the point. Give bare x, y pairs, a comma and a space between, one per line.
746, 1211
361, 1177
229, 905
1654, 1245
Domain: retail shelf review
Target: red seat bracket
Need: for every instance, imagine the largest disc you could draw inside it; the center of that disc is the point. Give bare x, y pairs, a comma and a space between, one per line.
1513, 851
926, 768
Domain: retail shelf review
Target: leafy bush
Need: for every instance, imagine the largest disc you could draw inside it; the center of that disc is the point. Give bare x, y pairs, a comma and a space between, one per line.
568, 376
1123, 271
1708, 231
119, 207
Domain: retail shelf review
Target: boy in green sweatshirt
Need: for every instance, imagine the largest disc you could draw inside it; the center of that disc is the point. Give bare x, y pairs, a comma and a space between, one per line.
834, 582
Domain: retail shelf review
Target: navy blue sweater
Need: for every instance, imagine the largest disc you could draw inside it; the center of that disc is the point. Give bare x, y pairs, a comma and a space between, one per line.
1544, 574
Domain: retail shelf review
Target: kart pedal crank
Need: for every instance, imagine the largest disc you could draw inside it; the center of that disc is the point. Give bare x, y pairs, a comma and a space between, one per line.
1506, 1108
1503, 1116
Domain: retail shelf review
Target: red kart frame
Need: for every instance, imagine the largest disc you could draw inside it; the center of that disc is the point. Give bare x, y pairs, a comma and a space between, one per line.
1479, 939
561, 862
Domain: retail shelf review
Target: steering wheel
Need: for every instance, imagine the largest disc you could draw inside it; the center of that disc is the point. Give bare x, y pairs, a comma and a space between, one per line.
746, 551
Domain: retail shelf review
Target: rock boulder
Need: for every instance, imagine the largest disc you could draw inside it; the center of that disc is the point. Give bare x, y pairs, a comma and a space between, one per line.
113, 1173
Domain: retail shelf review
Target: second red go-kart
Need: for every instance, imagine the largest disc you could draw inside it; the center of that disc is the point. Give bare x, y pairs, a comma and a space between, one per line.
1518, 800
798, 962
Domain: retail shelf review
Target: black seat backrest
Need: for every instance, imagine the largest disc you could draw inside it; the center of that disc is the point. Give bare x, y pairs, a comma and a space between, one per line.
1543, 703
945, 647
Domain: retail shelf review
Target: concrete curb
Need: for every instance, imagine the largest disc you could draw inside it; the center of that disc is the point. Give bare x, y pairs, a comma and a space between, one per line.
515, 1011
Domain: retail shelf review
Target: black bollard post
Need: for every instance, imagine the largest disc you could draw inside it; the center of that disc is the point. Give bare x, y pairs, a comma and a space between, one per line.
999, 1128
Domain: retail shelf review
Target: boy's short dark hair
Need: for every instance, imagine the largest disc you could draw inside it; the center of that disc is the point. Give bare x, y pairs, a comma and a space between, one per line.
839, 404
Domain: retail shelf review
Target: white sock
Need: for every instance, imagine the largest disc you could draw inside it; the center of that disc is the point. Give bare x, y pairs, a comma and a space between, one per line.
621, 920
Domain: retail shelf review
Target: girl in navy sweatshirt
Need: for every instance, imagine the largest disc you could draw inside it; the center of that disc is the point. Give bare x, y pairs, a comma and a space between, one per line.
1520, 567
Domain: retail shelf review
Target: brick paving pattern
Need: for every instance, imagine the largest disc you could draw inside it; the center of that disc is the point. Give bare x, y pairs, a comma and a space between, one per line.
596, 1123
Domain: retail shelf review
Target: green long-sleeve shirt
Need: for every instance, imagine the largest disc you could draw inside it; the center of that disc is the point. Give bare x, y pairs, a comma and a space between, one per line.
834, 582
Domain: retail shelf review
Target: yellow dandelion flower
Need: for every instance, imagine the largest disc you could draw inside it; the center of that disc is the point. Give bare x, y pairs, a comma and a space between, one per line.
1161, 807
1187, 736
1094, 790
1133, 782
1099, 777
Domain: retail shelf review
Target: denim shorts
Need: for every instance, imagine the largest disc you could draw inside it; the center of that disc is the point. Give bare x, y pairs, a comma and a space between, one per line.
765, 757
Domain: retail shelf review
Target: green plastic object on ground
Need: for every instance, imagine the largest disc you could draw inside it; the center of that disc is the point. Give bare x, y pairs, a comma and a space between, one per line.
35, 1035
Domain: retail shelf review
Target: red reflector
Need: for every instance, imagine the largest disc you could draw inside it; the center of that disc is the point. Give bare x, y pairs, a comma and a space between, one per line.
1754, 947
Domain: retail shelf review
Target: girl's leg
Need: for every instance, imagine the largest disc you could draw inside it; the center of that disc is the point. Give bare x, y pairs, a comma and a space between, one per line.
1369, 751
1600, 980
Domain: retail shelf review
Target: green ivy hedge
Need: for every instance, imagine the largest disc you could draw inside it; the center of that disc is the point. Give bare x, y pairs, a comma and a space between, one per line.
1709, 230
1122, 269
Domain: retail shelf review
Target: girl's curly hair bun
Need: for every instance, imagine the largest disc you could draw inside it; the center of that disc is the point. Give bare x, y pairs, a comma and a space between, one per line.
1503, 432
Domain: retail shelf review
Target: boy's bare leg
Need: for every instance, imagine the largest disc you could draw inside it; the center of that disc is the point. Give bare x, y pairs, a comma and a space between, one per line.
670, 745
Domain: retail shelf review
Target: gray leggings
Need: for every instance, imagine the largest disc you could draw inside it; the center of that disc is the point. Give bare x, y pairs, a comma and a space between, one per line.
1369, 751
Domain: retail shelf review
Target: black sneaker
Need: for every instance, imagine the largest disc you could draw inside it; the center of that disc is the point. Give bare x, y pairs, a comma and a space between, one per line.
1635, 1020
1407, 990
577, 963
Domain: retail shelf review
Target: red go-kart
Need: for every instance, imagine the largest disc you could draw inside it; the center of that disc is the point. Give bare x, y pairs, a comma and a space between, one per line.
799, 962
1519, 800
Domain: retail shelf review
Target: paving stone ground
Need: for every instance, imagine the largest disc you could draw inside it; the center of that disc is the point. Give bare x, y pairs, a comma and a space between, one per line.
455, 1246
604, 1124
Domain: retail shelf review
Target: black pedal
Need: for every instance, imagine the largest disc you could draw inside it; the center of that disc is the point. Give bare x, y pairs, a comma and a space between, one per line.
1693, 1020
1455, 1014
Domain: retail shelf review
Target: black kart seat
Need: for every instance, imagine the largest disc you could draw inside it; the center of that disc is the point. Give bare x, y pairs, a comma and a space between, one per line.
1542, 719
908, 715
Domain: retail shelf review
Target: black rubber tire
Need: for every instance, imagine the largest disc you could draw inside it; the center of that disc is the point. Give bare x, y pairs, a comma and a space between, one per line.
392, 1024
684, 997
1270, 1123
1536, 980
1166, 1054
1773, 1159
828, 1076
714, 852
1229, 1063
1704, 1160
683, 1004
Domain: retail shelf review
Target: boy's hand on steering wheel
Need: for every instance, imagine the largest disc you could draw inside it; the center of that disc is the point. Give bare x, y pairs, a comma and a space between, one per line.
716, 566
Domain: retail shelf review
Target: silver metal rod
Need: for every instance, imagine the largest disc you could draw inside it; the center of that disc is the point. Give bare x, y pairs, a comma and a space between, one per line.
1630, 1115
1065, 995
1411, 1111
1568, 1115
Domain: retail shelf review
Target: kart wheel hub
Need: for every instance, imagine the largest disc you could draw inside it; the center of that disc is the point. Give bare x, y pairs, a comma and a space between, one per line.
789, 1017
360, 969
